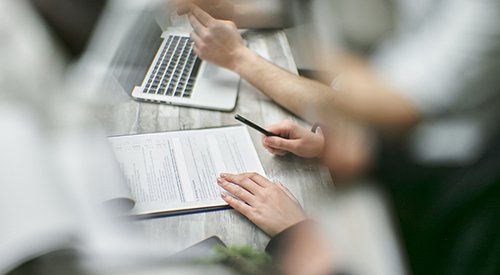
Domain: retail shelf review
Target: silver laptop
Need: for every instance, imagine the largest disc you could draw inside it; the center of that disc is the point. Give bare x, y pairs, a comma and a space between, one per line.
161, 67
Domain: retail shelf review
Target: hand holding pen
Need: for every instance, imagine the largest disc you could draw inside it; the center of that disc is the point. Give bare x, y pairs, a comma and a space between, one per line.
288, 136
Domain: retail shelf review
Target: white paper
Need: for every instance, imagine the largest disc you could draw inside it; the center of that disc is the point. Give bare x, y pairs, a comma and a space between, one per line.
177, 171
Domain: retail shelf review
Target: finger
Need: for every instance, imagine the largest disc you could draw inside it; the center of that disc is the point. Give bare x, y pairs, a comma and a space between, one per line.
242, 180
197, 50
203, 17
278, 129
197, 40
198, 28
237, 191
280, 153
281, 143
260, 180
276, 151
237, 205
198, 53
248, 185
282, 128
183, 8
272, 150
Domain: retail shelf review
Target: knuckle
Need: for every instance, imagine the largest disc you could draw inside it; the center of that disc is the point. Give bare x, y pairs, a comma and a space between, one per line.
234, 203
231, 201
274, 190
228, 24
280, 143
237, 179
203, 47
241, 204
208, 37
246, 182
290, 124
204, 35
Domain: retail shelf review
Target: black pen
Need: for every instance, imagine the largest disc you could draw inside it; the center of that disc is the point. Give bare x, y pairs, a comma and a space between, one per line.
255, 126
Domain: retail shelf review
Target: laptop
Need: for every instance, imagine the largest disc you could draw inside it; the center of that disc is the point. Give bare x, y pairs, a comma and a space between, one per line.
161, 67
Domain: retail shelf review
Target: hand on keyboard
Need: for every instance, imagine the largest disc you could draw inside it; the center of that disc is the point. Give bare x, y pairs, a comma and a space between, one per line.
217, 41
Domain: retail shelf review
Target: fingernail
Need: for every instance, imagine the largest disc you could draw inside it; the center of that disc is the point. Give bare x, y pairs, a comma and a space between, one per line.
319, 131
266, 140
219, 180
223, 195
223, 175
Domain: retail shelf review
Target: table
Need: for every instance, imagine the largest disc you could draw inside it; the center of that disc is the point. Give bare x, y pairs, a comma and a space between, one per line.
362, 232
122, 115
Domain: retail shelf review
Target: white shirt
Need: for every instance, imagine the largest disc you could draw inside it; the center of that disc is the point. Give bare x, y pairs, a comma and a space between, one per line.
445, 58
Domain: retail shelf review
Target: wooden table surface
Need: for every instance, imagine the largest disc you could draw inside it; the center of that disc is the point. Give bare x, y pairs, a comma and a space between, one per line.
362, 231
121, 115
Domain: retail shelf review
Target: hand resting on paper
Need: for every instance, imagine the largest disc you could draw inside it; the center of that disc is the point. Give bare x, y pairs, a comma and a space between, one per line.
272, 207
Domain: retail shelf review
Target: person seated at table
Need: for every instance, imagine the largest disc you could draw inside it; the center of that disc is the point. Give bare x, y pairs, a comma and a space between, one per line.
433, 84
300, 246
254, 14
417, 84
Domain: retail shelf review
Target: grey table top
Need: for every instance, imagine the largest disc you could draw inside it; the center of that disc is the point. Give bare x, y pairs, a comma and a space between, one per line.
122, 115
362, 230
305, 179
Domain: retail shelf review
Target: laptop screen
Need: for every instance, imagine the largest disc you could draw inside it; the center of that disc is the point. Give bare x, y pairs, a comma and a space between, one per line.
136, 52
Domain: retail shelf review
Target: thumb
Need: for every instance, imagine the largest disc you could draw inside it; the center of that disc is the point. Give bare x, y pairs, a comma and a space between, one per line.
319, 131
281, 143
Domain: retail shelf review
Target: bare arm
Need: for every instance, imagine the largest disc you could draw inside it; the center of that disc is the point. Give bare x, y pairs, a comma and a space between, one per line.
262, 14
249, 14
363, 97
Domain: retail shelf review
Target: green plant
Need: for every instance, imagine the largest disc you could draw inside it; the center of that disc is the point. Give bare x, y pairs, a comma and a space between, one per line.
244, 260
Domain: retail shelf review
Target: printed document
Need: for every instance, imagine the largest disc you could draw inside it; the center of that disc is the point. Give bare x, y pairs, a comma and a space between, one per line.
177, 171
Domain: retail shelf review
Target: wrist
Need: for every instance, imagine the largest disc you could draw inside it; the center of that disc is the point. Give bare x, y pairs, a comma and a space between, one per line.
228, 10
321, 144
242, 59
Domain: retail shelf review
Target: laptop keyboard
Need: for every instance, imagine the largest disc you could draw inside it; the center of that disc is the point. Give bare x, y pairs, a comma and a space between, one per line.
175, 71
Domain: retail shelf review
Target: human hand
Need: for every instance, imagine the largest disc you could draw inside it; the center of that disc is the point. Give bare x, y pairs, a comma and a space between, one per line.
350, 150
217, 41
220, 9
294, 139
272, 207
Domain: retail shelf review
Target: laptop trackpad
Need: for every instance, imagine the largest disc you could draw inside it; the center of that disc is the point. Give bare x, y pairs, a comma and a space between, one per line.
212, 70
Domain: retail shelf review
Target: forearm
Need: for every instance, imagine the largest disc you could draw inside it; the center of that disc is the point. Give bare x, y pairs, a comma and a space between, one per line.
309, 254
301, 96
263, 14
361, 97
